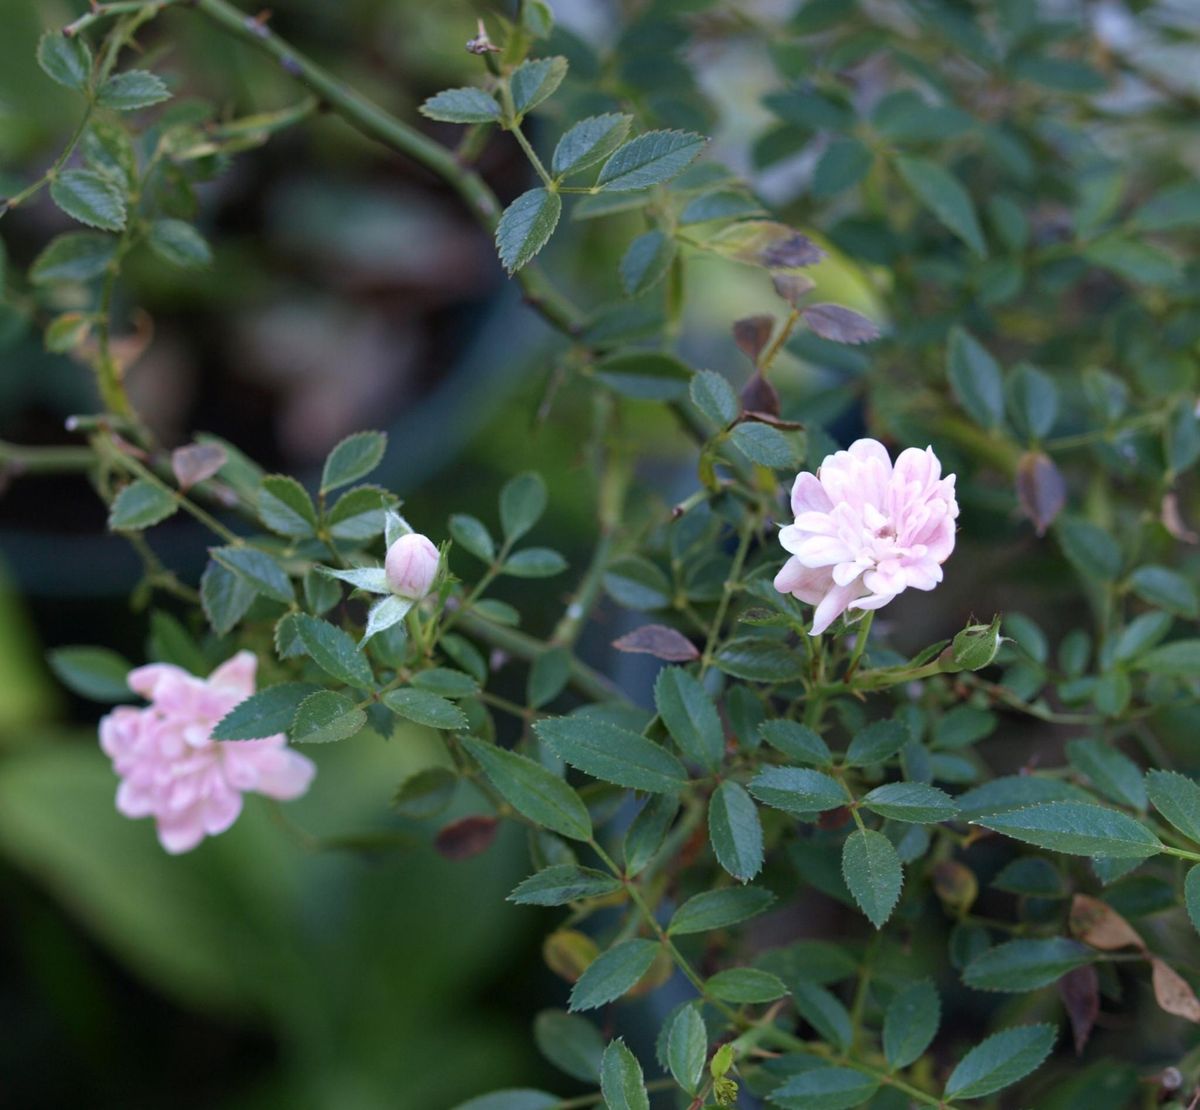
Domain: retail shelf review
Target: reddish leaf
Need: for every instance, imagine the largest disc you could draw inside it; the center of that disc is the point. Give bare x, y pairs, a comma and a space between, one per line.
791, 287
1040, 489
196, 462
752, 334
1079, 990
793, 250
466, 837
840, 325
834, 818
660, 641
760, 396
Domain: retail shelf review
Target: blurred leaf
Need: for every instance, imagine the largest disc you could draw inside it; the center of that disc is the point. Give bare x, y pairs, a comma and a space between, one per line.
66, 60
1172, 992
660, 641
534, 562
136, 88
572, 1044
1041, 489
522, 504
76, 256
844, 164
225, 597
975, 378
839, 325
179, 243
644, 375
646, 262
95, 673
467, 105
140, 505
943, 194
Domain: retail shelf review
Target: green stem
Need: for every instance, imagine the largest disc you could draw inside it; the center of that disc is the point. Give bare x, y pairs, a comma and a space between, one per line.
16, 459
107, 11
731, 583
860, 644
52, 172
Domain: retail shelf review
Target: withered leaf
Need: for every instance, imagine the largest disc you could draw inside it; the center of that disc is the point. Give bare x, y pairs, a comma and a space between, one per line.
660, 641
791, 287
1041, 489
752, 334
466, 837
196, 462
1098, 924
1173, 993
840, 324
1079, 990
759, 395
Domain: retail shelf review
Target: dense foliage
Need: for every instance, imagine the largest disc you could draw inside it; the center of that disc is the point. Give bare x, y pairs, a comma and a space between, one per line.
1003, 199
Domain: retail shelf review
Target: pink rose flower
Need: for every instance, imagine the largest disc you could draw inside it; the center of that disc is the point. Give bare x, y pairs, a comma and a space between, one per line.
411, 566
865, 531
171, 769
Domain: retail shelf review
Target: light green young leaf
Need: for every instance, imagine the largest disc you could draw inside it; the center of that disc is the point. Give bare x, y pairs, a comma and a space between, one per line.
1000, 1061
621, 1080
535, 81
735, 831
371, 579
526, 226
613, 973
873, 873
140, 505
910, 1022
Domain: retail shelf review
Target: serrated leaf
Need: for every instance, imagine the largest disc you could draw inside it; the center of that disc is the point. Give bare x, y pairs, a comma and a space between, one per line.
325, 718
735, 831
266, 713
572, 1044
690, 716
760, 660
136, 88
910, 1022
75, 256
471, 534
563, 883
612, 973
650, 159
745, 985
258, 570
910, 801
92, 672
687, 1048
225, 597
646, 262
91, 198
285, 507
526, 226
646, 832
613, 754
798, 742
797, 790
762, 444
1113, 774
355, 457
878, 742
1076, 828
1000, 1061
712, 394
825, 1088
532, 790
66, 60
975, 378
359, 515
1191, 895
467, 105
1025, 964
177, 242
718, 909
589, 141
1177, 798
424, 707
449, 683
873, 873
621, 1081
535, 81
943, 194
371, 579
140, 505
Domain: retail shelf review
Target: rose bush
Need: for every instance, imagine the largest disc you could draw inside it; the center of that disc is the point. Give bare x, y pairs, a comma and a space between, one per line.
805, 859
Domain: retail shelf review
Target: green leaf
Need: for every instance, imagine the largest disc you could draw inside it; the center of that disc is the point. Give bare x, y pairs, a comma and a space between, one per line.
975, 378
424, 707
76, 256
910, 1022
1114, 775
873, 873
1177, 798
613, 754
177, 242
572, 1044
735, 831
448, 683
285, 507
257, 569
690, 716
647, 831
878, 742
371, 579
522, 1098
522, 503
911, 801
471, 533
1024, 965
1077, 828
650, 159
91, 198
712, 394
133, 89
1174, 207
825, 1088
589, 141
1013, 791
358, 515
798, 742
466, 105
723, 204
687, 1047
718, 909
646, 262
844, 164
563, 883
548, 676
526, 226
1000, 1061
797, 790
533, 82
825, 1013
612, 973
139, 505
266, 713
745, 985
644, 375
66, 60
534, 562
638, 584
1033, 400
1135, 261
621, 1080
355, 457
760, 660
1167, 589
334, 651
1191, 895
225, 597
532, 790
1090, 549
1181, 658
943, 194
92, 672
963, 726
326, 717
762, 444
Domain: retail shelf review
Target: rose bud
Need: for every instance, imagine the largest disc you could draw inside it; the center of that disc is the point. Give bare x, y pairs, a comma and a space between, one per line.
411, 566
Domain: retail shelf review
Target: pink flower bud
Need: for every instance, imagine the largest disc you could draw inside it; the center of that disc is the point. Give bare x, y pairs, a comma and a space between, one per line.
411, 566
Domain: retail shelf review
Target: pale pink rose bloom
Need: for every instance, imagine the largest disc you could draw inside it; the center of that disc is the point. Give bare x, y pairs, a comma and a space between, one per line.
866, 530
170, 767
411, 566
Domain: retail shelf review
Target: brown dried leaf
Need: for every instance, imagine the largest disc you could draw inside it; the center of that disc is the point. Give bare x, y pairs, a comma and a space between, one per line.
660, 641
792, 287
839, 324
1041, 489
759, 395
1173, 522
752, 334
1079, 990
196, 462
1098, 924
1173, 992
466, 837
